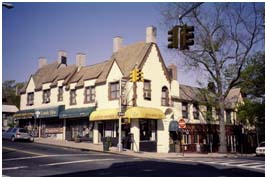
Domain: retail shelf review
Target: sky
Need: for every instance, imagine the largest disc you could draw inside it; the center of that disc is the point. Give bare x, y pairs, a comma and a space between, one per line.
33, 30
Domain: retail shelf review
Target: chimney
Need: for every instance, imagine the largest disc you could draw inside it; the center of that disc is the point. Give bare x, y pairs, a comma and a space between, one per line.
173, 71
151, 34
80, 59
117, 43
62, 57
42, 62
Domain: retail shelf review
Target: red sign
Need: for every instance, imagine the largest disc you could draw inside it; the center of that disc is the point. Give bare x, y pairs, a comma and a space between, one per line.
182, 123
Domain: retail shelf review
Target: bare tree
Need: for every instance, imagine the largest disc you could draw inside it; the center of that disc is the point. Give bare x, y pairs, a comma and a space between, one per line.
225, 35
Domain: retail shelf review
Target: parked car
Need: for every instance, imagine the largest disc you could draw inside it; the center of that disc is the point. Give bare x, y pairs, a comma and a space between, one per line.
260, 150
17, 134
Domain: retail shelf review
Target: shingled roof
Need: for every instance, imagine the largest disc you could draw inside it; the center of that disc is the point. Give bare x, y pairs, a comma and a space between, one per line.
126, 58
191, 94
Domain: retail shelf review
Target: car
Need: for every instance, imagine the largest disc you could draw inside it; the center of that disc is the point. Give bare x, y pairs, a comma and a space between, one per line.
260, 150
14, 134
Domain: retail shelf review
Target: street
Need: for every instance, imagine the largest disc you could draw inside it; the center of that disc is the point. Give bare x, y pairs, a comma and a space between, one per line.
22, 159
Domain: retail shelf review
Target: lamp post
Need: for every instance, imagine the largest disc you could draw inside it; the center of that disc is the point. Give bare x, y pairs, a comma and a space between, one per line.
37, 114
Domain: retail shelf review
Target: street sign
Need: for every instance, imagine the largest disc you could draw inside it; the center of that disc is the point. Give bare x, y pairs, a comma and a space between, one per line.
120, 113
182, 123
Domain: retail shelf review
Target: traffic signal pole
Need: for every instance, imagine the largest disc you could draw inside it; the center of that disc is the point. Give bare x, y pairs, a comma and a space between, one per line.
120, 116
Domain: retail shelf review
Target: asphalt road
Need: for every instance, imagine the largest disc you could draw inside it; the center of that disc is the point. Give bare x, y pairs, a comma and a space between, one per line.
21, 159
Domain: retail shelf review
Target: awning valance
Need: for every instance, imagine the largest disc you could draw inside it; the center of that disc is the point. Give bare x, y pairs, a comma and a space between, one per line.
49, 112
104, 114
131, 113
24, 114
144, 113
76, 112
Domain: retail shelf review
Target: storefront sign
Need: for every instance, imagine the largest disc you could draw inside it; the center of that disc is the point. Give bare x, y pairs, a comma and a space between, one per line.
49, 112
53, 130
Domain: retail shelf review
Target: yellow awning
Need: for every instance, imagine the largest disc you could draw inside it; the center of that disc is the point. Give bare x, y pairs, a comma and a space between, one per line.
104, 114
144, 113
131, 113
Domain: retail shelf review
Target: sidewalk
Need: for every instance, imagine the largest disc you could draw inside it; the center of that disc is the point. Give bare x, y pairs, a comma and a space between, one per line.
99, 148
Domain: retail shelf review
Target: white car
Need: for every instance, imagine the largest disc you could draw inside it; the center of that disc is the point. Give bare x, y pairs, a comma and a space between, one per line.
260, 150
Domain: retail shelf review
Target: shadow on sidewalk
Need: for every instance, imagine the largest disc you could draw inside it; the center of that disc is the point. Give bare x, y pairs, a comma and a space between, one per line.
162, 169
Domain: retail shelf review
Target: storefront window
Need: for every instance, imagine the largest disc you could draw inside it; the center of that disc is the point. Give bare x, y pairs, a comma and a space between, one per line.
147, 130
186, 139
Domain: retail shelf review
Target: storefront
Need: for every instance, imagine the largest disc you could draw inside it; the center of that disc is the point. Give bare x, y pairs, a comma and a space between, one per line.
26, 119
50, 126
139, 124
77, 123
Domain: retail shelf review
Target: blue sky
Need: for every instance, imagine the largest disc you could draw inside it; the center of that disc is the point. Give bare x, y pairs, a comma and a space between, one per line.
33, 30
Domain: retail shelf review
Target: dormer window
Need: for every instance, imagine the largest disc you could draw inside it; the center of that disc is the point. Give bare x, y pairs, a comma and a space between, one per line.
46, 96
30, 99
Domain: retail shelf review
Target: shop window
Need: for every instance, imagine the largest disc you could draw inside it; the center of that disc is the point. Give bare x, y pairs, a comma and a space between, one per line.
147, 130
72, 97
114, 90
147, 90
196, 111
186, 139
196, 138
46, 96
60, 94
228, 117
30, 99
89, 94
185, 110
165, 96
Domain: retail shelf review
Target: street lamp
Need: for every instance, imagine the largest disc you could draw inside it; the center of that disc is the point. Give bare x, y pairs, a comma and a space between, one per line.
37, 114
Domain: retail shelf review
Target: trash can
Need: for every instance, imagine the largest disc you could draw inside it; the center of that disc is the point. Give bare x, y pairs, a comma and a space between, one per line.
106, 144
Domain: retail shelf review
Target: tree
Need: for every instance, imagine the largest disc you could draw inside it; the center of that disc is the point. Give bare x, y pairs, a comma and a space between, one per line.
225, 35
9, 91
252, 112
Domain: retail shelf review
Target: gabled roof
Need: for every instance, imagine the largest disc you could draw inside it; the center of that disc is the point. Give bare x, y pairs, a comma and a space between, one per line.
194, 94
126, 58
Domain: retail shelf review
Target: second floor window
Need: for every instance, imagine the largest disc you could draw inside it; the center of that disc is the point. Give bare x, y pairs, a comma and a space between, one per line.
114, 90
228, 117
184, 110
89, 94
30, 99
60, 94
164, 96
46, 96
195, 111
72, 97
147, 89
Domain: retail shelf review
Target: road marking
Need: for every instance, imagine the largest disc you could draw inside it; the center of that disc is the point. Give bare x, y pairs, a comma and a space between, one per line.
79, 161
15, 168
22, 151
44, 156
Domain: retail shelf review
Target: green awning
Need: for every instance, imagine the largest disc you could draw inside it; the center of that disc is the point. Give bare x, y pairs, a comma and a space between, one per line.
49, 112
24, 114
77, 112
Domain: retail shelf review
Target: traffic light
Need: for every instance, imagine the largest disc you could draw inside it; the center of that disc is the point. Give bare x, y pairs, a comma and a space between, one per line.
133, 75
140, 76
173, 38
186, 37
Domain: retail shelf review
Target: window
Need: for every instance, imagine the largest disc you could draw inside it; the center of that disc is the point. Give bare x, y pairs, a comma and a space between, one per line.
186, 139
60, 94
114, 90
196, 111
72, 97
164, 96
89, 94
147, 130
147, 89
184, 110
196, 138
228, 117
209, 113
30, 99
46, 96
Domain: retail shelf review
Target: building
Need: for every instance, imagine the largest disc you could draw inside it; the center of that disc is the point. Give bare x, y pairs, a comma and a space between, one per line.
64, 101
7, 115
